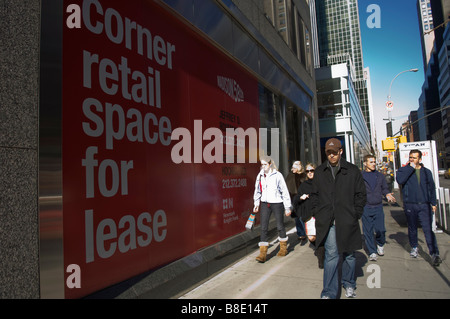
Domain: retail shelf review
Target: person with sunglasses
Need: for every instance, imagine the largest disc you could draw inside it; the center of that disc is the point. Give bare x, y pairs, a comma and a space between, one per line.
302, 207
338, 200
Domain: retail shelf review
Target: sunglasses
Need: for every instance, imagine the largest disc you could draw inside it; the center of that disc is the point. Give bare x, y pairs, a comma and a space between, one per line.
309, 171
330, 152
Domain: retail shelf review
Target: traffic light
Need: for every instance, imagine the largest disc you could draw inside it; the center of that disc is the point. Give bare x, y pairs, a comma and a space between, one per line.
388, 145
402, 139
389, 129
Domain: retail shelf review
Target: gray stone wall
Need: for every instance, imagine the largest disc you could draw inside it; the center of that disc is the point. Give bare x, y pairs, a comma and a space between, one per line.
19, 109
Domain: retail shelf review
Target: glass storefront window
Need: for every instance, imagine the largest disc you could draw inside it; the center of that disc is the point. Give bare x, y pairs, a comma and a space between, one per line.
328, 85
295, 127
329, 98
331, 111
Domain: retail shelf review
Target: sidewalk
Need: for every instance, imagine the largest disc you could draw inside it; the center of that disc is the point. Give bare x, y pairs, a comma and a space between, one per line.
297, 275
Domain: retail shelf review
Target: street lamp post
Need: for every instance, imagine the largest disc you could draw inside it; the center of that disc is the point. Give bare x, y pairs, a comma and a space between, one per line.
389, 96
390, 106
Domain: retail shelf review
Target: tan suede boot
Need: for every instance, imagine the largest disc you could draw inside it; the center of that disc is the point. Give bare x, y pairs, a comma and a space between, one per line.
283, 249
262, 254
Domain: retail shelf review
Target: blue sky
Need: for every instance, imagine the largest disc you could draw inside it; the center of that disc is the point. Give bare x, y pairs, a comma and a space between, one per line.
389, 50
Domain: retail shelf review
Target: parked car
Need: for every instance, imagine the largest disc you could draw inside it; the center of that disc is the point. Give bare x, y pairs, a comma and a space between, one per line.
441, 172
447, 174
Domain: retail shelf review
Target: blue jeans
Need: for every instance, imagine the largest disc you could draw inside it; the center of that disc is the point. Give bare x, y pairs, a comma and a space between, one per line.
300, 225
373, 221
330, 271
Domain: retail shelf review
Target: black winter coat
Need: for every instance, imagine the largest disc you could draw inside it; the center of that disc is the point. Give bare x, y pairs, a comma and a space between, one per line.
340, 200
303, 208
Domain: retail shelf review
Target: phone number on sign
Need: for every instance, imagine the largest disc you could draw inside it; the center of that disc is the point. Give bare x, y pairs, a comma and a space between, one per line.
234, 182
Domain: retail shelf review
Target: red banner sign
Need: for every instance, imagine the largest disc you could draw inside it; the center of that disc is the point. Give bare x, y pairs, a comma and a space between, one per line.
132, 200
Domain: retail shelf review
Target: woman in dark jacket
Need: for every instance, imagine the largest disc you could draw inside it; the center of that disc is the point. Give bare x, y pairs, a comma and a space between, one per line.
303, 208
301, 202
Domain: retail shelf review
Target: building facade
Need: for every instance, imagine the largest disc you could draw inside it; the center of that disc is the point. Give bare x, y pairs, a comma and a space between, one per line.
426, 26
413, 127
444, 94
433, 15
340, 114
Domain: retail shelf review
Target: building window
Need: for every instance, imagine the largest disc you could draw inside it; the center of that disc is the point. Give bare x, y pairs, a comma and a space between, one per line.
308, 50
268, 11
285, 18
330, 111
328, 85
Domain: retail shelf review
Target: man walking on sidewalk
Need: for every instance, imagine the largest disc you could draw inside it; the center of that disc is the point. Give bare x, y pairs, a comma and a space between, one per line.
419, 193
338, 200
373, 216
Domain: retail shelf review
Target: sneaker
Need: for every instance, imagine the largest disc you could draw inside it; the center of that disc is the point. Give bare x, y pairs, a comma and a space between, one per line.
436, 260
414, 252
373, 257
380, 250
350, 292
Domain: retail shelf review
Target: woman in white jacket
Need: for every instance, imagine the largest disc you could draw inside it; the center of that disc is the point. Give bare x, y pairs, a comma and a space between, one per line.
271, 195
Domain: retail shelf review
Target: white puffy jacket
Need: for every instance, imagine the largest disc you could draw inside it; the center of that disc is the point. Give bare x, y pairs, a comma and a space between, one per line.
271, 188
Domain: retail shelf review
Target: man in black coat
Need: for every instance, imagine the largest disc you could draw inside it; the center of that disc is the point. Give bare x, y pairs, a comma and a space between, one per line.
338, 199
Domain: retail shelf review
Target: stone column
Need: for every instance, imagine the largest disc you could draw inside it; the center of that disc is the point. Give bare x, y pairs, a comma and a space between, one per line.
19, 110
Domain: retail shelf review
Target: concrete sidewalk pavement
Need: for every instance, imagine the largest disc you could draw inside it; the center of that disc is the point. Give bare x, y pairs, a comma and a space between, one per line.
297, 276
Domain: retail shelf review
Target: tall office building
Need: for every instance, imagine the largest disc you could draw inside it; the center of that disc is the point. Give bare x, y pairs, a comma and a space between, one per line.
444, 92
426, 26
433, 16
339, 39
342, 95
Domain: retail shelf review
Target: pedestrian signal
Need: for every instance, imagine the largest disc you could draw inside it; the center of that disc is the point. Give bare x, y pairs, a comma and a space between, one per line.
388, 145
402, 139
